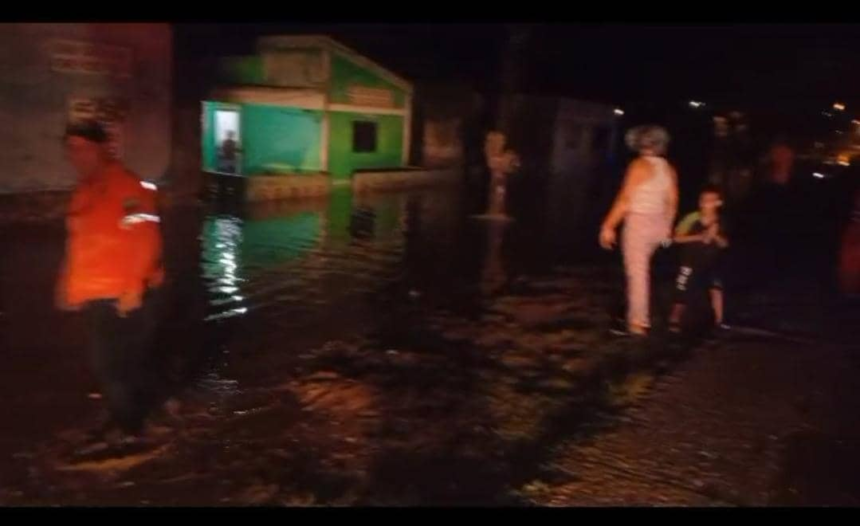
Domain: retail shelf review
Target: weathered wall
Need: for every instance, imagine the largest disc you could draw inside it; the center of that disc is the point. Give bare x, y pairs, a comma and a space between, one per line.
125, 77
442, 145
444, 116
531, 121
346, 76
242, 70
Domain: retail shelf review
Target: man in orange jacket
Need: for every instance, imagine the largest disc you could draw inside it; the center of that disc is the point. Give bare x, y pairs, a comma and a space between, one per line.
112, 263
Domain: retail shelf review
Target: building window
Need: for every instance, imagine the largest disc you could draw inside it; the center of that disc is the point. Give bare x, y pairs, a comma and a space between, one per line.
363, 136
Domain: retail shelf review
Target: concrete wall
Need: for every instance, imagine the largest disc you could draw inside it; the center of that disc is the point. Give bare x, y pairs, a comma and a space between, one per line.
532, 124
442, 145
444, 116
584, 134
346, 76
343, 161
242, 70
43, 69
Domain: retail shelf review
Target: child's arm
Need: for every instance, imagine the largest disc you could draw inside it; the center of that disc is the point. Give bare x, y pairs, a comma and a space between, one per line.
684, 226
684, 238
716, 235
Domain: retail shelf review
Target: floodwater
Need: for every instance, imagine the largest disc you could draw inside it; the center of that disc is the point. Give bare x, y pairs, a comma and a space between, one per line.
387, 349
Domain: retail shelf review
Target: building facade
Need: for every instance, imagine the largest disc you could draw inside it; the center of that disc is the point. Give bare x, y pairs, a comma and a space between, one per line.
50, 74
305, 105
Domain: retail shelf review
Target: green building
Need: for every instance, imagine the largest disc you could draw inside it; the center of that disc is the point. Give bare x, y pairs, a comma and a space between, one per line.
305, 105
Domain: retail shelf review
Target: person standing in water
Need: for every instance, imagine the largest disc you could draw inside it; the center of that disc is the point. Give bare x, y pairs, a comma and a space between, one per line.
112, 266
647, 204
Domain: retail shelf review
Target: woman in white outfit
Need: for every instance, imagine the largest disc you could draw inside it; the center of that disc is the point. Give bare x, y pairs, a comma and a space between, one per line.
647, 204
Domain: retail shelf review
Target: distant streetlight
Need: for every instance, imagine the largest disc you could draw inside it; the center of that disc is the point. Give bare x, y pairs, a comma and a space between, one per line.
838, 106
618, 111
696, 104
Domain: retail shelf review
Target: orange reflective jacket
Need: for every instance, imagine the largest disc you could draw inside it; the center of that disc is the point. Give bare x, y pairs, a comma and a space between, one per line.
114, 239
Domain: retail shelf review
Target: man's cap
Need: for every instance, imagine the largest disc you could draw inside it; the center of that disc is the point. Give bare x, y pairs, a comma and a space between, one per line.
88, 129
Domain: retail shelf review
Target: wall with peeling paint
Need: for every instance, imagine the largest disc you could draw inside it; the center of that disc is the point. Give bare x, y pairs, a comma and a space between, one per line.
45, 67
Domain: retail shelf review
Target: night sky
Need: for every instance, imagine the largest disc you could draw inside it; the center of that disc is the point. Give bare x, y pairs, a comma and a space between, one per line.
750, 64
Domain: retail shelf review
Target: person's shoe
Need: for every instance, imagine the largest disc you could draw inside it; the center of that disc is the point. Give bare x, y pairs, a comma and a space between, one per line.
619, 331
100, 442
126, 443
119, 447
90, 448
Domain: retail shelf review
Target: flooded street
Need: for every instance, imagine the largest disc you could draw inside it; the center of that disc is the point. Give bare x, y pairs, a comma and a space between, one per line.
285, 263
355, 350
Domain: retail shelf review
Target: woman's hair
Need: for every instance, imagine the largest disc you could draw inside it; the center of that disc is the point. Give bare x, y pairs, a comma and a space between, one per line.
711, 188
648, 137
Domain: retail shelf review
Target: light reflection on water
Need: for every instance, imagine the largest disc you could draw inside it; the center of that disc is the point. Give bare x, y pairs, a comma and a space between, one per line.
294, 263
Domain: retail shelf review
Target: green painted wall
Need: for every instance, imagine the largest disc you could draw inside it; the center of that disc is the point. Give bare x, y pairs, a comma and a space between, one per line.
342, 161
345, 73
278, 139
242, 70
207, 136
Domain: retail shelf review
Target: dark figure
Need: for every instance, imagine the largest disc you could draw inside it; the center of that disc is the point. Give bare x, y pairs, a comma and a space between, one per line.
229, 151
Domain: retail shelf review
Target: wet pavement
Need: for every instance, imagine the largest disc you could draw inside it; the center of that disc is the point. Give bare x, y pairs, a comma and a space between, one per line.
393, 350
745, 422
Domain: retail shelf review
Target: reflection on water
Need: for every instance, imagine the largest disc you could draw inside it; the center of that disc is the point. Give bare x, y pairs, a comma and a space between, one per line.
222, 238
377, 349
280, 268
385, 349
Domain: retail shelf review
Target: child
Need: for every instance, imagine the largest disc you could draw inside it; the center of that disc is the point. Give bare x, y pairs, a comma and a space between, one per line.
702, 239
